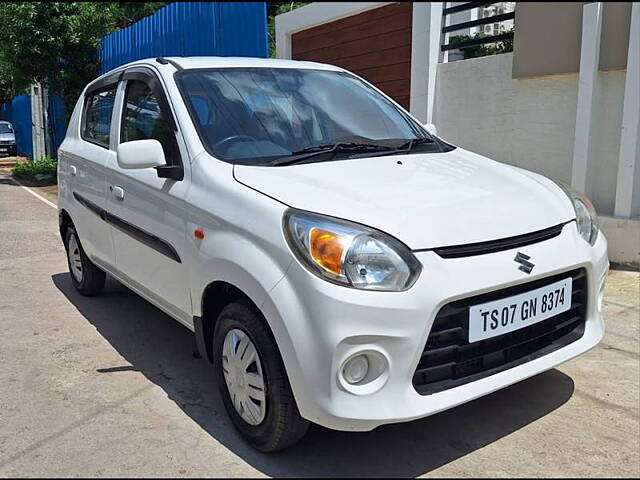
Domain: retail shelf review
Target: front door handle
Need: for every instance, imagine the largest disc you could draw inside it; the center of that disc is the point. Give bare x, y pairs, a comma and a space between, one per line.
118, 192
73, 170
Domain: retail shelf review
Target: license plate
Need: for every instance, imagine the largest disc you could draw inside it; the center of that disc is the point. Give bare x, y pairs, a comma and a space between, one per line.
512, 313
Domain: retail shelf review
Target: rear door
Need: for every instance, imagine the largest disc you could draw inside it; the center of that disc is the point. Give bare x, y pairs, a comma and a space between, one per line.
86, 160
147, 213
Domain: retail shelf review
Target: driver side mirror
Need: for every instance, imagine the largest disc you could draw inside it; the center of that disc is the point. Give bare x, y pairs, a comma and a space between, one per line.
431, 128
138, 154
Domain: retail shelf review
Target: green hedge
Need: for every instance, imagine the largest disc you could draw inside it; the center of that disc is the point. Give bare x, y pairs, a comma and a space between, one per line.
29, 170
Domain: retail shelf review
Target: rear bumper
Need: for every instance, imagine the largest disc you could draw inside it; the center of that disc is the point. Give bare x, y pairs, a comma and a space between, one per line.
319, 325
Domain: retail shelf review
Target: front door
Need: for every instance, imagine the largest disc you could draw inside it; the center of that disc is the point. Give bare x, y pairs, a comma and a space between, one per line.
147, 213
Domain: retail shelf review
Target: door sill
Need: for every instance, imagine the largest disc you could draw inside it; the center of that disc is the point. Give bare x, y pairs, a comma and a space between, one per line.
174, 312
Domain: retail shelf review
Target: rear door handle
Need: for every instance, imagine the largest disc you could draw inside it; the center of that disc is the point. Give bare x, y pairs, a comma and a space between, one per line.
118, 192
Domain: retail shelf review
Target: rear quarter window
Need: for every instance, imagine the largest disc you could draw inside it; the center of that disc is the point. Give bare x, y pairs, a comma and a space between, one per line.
97, 116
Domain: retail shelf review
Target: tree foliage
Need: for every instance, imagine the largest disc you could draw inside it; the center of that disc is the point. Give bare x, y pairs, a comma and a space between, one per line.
7, 87
129, 12
56, 43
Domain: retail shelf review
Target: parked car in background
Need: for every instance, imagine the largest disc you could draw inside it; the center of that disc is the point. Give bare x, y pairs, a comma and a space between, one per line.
7, 139
338, 262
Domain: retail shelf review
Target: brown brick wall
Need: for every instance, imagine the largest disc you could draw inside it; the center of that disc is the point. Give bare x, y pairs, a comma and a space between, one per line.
375, 44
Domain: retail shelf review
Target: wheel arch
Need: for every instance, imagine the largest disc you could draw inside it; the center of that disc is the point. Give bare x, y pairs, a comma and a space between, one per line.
215, 297
64, 220
219, 293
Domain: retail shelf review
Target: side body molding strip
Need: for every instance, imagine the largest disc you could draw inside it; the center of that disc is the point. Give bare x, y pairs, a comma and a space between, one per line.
139, 234
101, 212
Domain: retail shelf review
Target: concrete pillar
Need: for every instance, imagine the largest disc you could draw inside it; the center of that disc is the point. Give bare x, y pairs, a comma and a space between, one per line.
628, 185
587, 88
425, 54
37, 129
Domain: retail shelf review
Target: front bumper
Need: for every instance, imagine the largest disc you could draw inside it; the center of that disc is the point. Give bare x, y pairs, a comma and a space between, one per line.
9, 150
319, 325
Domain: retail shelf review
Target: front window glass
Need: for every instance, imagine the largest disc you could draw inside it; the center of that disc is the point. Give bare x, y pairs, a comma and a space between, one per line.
4, 128
253, 115
143, 119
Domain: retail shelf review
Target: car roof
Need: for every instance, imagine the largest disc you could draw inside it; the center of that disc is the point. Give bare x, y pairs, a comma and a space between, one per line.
247, 62
188, 63
231, 62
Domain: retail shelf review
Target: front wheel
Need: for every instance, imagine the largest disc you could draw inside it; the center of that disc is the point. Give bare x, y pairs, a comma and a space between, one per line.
253, 382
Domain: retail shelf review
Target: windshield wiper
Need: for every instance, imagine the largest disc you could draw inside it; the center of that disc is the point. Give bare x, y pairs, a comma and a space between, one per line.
317, 150
405, 147
419, 141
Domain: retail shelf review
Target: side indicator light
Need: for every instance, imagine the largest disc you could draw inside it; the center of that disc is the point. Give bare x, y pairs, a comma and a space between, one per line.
198, 233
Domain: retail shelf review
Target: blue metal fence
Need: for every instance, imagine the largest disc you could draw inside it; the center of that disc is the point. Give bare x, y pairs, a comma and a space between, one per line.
190, 29
57, 120
18, 112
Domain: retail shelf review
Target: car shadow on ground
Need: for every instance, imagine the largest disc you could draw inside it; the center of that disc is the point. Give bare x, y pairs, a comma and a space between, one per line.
162, 350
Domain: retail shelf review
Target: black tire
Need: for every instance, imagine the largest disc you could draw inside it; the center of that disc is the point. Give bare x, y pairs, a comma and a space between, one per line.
282, 425
93, 279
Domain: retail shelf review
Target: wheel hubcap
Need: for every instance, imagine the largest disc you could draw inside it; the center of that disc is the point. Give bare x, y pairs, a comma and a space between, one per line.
243, 376
75, 261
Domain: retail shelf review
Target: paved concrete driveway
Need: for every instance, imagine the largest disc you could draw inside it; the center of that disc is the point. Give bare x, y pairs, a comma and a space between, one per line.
108, 387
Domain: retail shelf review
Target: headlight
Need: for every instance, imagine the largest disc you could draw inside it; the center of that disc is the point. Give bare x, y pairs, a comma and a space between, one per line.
350, 254
586, 218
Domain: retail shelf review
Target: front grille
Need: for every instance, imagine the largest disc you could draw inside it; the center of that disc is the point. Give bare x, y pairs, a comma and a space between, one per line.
7, 142
492, 246
449, 360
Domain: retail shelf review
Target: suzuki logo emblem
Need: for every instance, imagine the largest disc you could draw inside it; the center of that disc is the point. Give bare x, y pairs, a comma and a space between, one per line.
525, 265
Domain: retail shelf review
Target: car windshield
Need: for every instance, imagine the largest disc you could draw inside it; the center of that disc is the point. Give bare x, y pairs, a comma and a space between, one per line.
5, 128
255, 115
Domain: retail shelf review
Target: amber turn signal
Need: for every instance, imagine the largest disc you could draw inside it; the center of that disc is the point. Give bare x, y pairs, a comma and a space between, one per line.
326, 250
198, 233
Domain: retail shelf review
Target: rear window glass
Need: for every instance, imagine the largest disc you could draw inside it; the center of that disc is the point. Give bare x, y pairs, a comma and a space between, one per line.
98, 113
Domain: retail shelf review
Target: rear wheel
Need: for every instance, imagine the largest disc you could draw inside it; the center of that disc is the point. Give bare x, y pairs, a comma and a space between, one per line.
86, 277
253, 382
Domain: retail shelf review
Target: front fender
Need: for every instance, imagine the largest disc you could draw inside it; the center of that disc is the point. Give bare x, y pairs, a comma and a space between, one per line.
255, 274
241, 240
241, 243
247, 266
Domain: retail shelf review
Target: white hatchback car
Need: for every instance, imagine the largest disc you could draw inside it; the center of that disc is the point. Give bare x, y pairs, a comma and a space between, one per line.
338, 262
